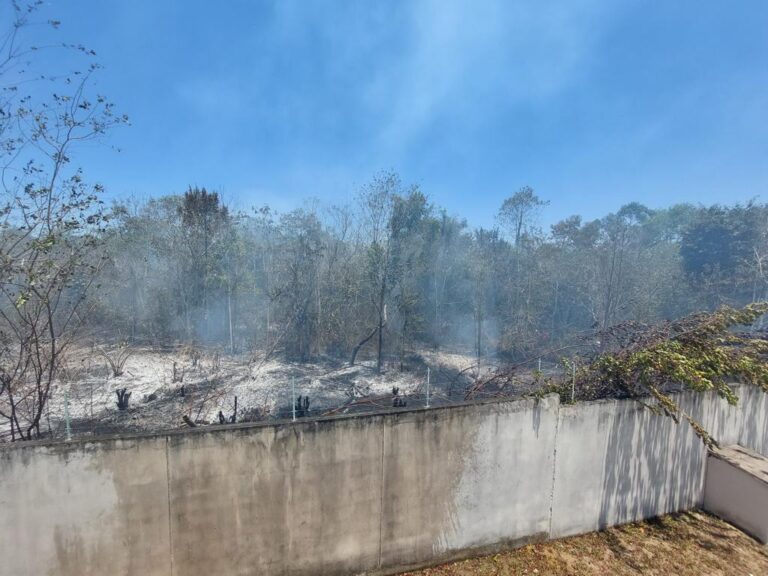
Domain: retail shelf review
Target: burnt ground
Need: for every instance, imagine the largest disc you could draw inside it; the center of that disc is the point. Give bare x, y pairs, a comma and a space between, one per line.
168, 385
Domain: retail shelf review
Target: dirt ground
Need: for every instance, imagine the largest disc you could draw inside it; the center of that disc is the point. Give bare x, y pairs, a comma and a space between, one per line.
687, 544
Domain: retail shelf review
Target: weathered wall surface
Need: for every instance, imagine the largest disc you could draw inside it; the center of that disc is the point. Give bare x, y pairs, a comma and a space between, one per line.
299, 499
466, 478
87, 509
355, 494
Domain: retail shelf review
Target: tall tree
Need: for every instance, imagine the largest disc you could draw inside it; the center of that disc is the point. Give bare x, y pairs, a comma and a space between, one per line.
377, 200
205, 227
487, 252
518, 213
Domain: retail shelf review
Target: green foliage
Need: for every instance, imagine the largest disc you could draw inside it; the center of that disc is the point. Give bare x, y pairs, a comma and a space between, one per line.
702, 352
723, 252
720, 240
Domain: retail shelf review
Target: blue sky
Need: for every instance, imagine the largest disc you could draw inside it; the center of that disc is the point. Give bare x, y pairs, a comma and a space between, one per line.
592, 103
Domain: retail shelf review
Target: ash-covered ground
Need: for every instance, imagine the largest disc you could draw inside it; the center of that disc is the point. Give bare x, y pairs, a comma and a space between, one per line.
177, 387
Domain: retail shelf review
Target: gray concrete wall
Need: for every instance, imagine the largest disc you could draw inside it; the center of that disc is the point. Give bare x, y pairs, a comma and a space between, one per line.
736, 489
353, 494
754, 432
470, 477
86, 509
617, 462
298, 499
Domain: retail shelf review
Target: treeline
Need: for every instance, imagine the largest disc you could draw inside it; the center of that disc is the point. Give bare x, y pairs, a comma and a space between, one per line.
393, 273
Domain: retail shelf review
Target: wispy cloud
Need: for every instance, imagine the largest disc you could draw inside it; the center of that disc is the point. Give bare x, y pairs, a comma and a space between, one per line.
464, 58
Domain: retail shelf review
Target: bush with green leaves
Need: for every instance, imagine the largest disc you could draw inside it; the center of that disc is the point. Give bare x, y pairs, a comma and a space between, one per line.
700, 352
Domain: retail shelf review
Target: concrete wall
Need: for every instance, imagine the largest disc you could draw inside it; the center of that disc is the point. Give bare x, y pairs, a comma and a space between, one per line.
754, 433
85, 509
470, 477
617, 462
736, 489
353, 494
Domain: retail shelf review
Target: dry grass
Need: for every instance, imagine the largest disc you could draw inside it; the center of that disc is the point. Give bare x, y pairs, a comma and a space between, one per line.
687, 544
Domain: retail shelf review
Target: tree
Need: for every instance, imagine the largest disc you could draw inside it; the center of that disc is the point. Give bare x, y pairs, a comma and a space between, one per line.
52, 220
518, 212
721, 252
127, 277
518, 215
205, 228
487, 252
300, 251
342, 307
409, 223
377, 200
446, 263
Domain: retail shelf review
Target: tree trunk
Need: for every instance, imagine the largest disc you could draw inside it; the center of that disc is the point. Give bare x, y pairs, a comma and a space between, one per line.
382, 321
229, 314
479, 338
360, 344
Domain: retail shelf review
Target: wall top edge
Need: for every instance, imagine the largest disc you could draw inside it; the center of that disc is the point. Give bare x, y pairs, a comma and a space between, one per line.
302, 422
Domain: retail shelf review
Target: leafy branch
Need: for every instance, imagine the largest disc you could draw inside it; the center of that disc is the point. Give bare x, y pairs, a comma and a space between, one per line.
701, 352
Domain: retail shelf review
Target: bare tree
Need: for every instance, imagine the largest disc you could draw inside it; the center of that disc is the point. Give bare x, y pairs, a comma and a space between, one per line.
51, 220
